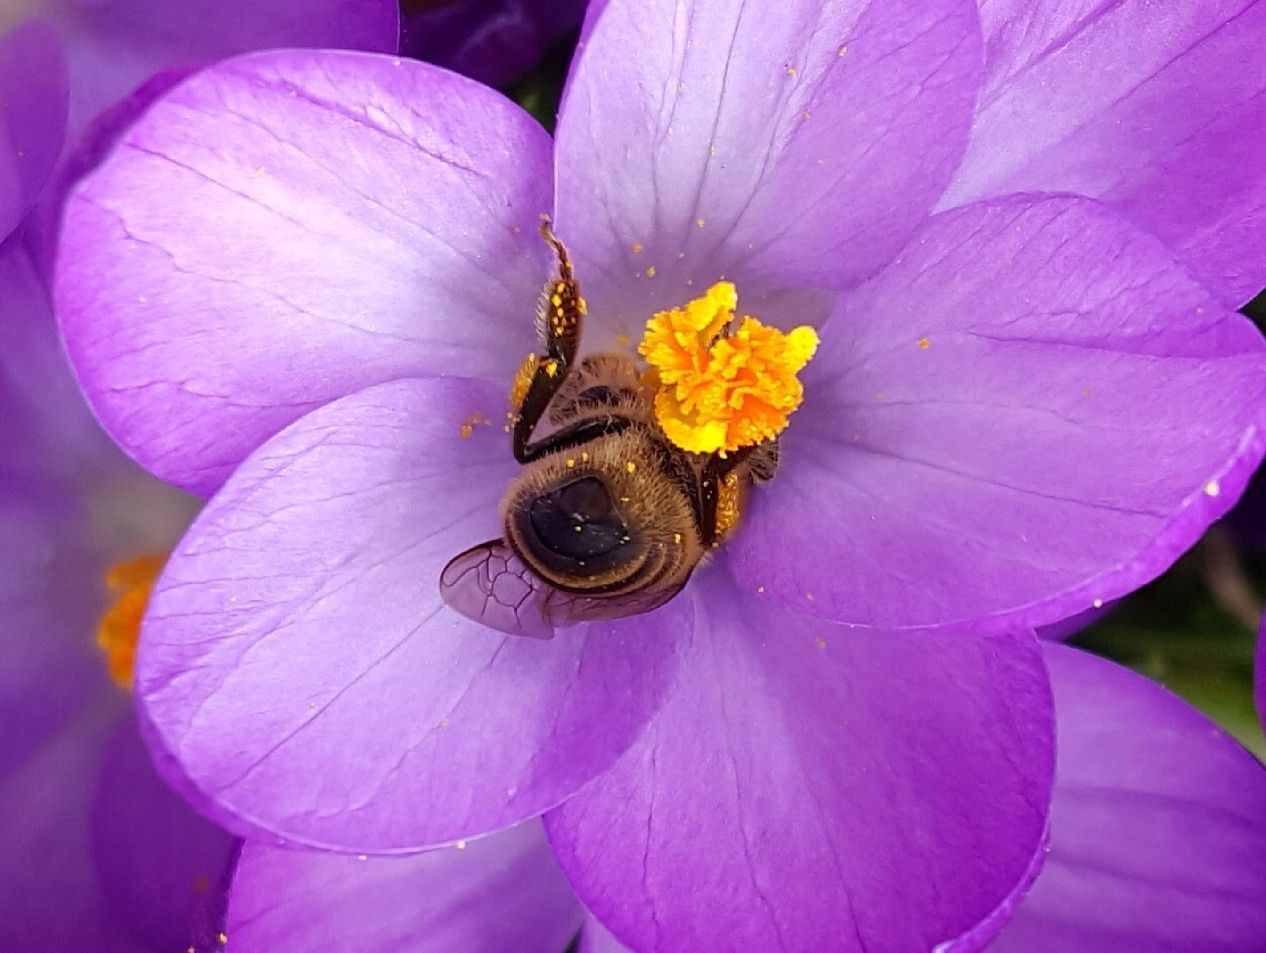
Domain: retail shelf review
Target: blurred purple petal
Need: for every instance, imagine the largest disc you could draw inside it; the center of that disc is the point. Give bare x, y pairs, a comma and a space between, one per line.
115, 45
97, 853
788, 150
1158, 826
1031, 412
300, 666
493, 41
33, 105
155, 858
808, 786
1156, 109
500, 894
286, 228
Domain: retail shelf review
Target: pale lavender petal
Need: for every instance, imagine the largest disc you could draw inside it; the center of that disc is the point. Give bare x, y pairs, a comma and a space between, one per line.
493, 41
1158, 826
502, 893
808, 786
43, 225
286, 228
301, 676
1029, 414
1152, 108
783, 150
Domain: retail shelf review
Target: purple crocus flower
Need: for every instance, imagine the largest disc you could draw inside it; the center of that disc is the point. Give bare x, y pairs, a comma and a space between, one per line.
315, 272
1158, 843
96, 852
493, 41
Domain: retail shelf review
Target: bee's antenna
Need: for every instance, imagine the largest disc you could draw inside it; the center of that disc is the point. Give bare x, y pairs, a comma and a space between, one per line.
564, 260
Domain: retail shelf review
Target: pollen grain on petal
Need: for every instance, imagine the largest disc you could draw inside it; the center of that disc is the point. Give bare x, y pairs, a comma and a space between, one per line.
721, 387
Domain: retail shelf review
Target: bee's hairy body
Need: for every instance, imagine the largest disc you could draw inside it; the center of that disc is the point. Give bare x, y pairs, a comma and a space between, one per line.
643, 521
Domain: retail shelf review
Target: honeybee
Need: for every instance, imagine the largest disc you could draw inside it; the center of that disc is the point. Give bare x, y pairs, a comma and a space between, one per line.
607, 518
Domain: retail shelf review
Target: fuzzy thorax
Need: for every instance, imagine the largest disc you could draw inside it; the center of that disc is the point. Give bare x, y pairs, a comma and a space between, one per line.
721, 387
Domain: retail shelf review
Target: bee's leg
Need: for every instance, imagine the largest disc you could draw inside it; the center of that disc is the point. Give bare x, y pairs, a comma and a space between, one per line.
714, 471
558, 321
574, 435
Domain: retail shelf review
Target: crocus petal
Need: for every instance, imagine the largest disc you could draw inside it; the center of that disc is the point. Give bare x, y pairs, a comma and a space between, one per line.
1158, 826
299, 665
1147, 107
99, 854
49, 606
156, 859
33, 104
285, 228
595, 938
1030, 413
493, 41
500, 894
808, 786
114, 47
1065, 629
795, 149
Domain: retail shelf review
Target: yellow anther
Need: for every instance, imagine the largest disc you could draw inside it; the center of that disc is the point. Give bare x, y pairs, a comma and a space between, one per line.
722, 388
120, 627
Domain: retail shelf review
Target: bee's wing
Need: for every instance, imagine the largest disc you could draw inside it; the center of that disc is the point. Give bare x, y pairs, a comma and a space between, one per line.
490, 584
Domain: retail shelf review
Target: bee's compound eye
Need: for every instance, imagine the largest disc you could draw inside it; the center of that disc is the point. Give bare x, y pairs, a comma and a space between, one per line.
576, 523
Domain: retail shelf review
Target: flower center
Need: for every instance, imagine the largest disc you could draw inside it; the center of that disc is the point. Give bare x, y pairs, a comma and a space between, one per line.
722, 387
120, 626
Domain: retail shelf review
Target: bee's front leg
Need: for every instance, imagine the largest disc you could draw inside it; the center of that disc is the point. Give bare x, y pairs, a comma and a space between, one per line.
559, 317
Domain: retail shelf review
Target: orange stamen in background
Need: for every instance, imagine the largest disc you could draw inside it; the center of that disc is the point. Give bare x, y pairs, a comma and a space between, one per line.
120, 627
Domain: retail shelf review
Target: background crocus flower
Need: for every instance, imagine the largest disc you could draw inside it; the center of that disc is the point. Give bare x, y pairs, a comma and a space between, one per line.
500, 894
95, 851
493, 41
63, 62
1021, 407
